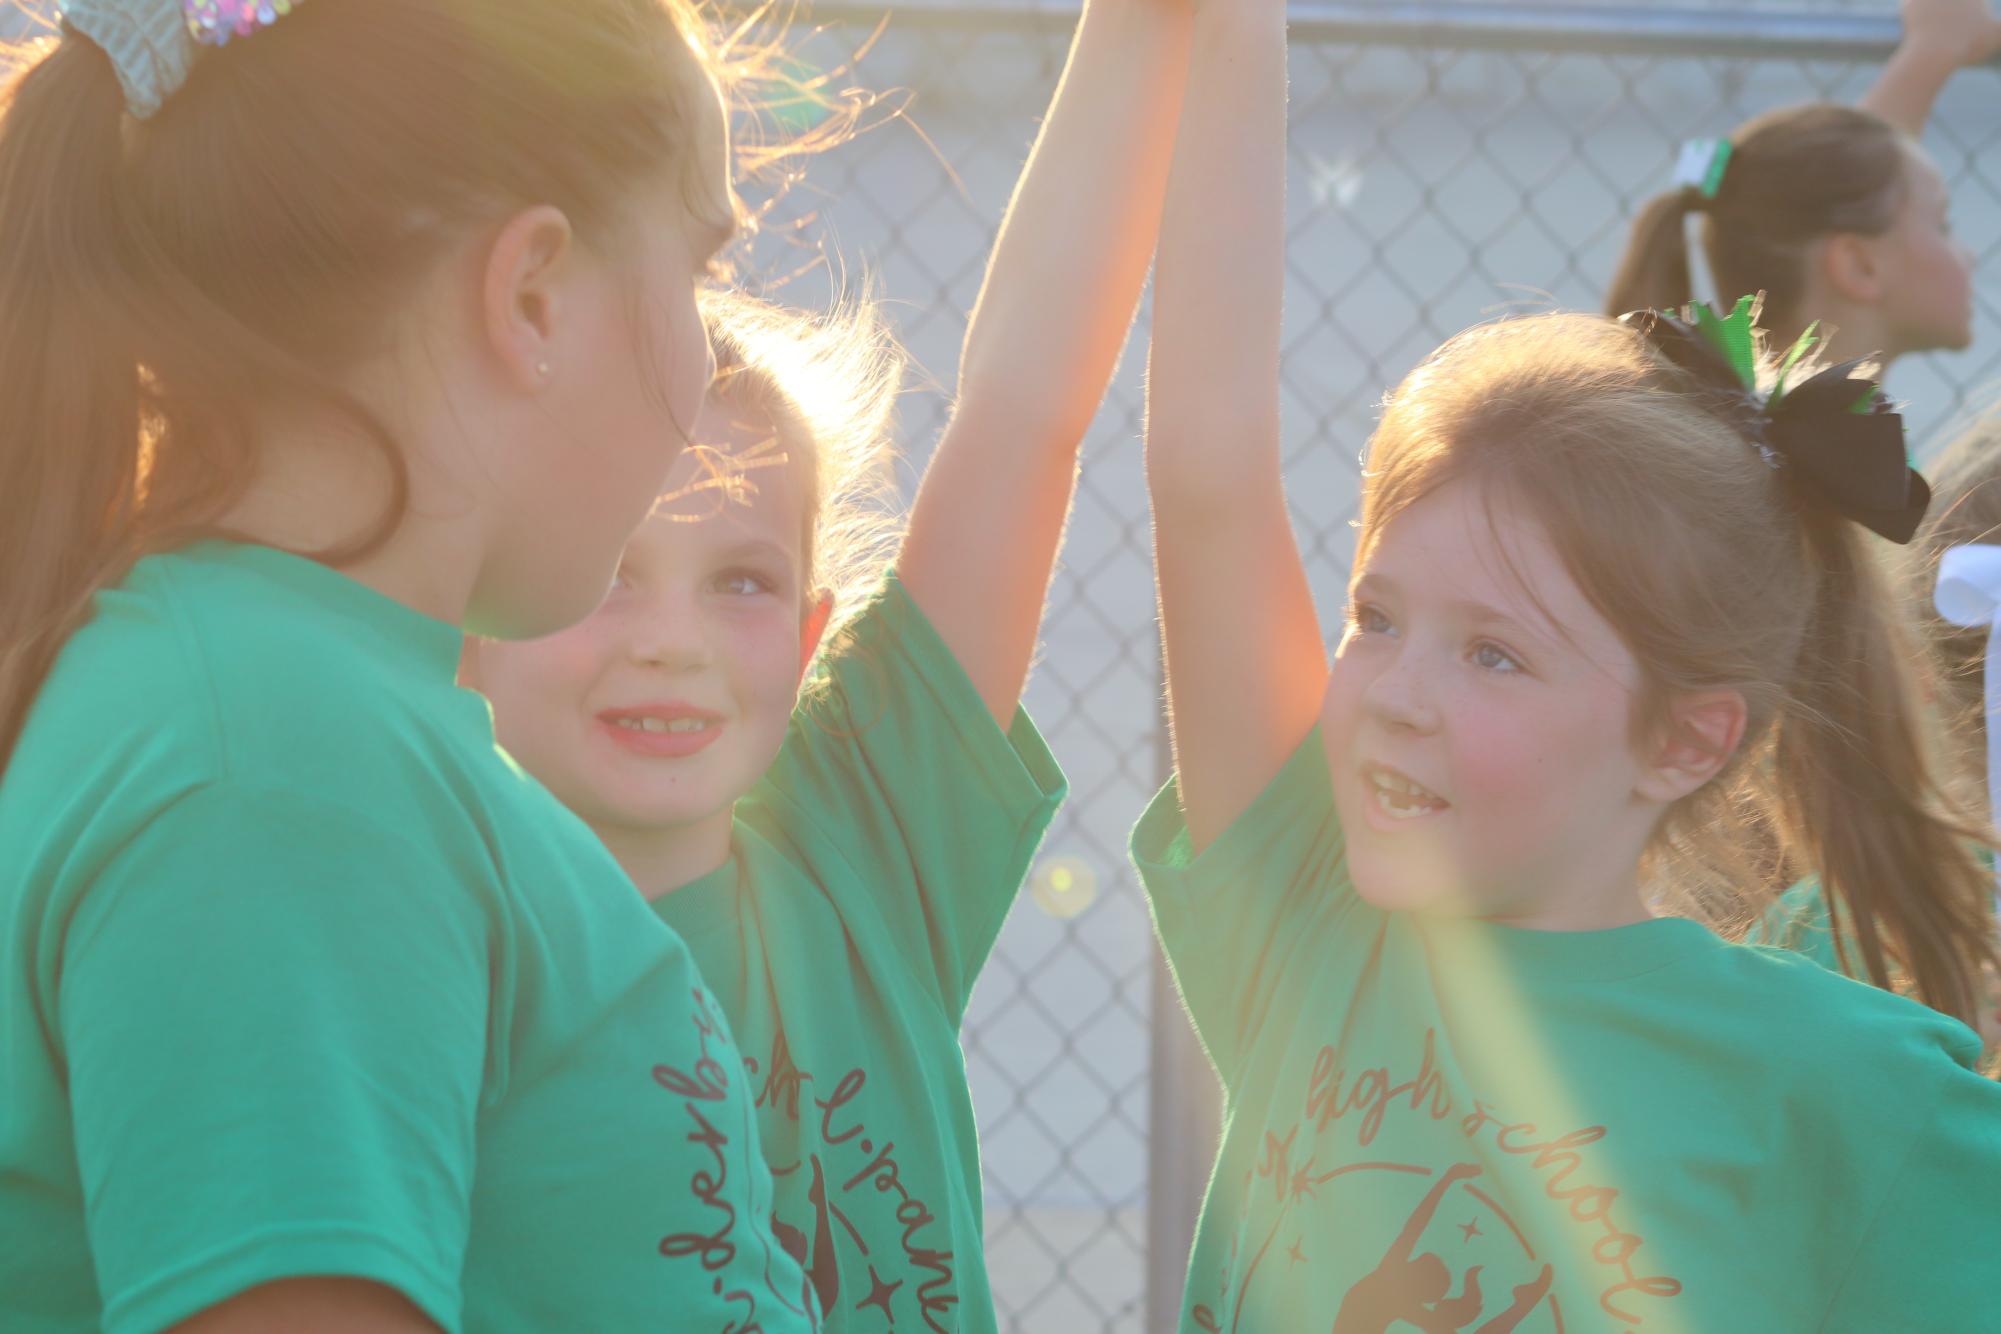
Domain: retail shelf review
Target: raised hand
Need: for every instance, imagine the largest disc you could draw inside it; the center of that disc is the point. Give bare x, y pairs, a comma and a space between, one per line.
1245, 665
1941, 37
1045, 336
1956, 32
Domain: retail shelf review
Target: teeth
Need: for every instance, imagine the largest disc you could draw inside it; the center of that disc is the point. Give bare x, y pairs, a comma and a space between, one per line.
661, 724
1402, 798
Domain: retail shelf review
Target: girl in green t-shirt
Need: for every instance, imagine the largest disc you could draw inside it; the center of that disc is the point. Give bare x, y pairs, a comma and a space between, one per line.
333, 329
1612, 603
842, 869
1835, 213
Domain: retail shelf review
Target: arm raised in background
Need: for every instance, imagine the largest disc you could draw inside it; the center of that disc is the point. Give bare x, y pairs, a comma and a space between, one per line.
1941, 37
1245, 664
1045, 335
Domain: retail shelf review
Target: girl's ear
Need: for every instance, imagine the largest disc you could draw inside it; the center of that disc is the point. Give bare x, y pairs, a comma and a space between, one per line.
1853, 268
521, 293
813, 628
1704, 729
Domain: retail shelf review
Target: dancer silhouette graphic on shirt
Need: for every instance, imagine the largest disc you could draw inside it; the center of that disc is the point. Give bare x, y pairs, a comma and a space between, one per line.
815, 1256
1411, 1289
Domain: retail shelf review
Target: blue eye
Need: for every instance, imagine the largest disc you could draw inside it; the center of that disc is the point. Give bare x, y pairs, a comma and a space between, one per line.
742, 583
1493, 658
1369, 620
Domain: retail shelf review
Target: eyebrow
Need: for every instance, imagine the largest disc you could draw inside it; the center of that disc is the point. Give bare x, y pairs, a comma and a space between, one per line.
1470, 608
754, 546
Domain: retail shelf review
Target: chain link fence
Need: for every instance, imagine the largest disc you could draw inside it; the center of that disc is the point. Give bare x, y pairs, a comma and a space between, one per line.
1449, 163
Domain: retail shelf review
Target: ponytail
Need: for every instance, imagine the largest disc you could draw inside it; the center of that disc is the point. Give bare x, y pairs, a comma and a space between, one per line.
166, 283
70, 457
1653, 272
123, 384
1863, 797
1796, 174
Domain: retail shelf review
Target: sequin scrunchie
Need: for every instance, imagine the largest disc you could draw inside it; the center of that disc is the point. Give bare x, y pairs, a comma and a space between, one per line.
153, 43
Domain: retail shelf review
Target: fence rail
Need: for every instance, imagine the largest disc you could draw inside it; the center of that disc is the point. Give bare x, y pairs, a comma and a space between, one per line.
1569, 29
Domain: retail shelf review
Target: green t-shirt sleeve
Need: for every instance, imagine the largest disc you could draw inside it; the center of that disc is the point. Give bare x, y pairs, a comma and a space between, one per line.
911, 796
1931, 1256
273, 1017
1258, 901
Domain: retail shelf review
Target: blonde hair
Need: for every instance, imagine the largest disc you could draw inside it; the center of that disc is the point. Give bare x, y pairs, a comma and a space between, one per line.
1716, 574
828, 383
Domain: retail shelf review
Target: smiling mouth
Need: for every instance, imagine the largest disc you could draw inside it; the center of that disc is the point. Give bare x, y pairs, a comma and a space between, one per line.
663, 731
664, 724
1399, 797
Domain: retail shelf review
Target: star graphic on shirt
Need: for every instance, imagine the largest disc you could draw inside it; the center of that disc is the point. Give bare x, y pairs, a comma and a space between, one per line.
879, 1294
1293, 1251
1471, 1229
1303, 1181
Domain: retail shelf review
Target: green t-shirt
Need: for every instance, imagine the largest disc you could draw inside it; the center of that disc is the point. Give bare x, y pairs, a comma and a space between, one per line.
303, 977
1446, 1125
1798, 920
873, 867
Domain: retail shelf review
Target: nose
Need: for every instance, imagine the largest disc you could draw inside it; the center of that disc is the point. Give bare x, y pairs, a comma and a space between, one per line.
1400, 696
667, 634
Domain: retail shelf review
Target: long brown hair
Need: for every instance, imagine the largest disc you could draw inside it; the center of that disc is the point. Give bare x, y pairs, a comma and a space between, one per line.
1716, 573
163, 280
1795, 175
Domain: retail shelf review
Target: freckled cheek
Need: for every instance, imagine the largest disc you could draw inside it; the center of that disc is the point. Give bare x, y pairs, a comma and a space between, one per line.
1515, 778
537, 692
1341, 708
1959, 280
541, 689
1340, 722
765, 651
565, 666
1948, 277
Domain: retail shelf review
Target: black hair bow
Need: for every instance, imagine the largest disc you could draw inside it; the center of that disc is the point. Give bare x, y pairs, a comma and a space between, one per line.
1835, 433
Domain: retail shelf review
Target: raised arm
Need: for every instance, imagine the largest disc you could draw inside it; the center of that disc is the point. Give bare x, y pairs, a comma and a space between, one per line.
1245, 662
1941, 37
1045, 336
